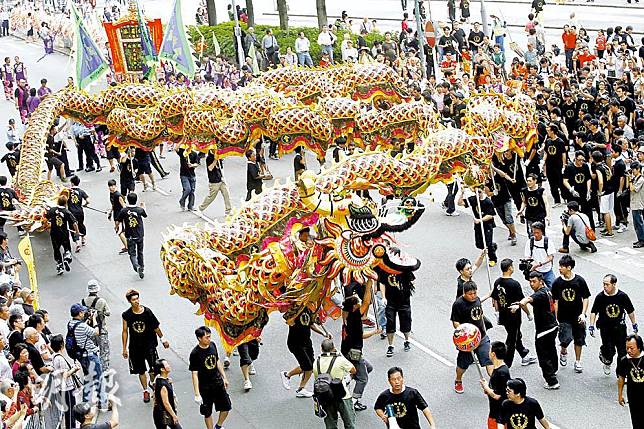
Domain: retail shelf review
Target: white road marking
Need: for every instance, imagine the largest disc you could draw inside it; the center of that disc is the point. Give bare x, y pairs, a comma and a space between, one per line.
162, 192
422, 347
204, 217
605, 242
629, 250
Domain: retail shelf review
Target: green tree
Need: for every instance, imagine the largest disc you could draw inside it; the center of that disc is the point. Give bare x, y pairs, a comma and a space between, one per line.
321, 9
282, 10
250, 12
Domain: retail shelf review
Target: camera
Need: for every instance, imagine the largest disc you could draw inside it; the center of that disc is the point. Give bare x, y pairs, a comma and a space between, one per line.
564, 216
525, 266
90, 317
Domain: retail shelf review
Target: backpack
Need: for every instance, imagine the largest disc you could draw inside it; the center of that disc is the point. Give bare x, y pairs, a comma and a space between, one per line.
100, 318
327, 390
71, 345
545, 245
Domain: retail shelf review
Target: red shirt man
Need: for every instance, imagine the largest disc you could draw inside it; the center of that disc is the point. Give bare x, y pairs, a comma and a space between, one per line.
569, 38
585, 57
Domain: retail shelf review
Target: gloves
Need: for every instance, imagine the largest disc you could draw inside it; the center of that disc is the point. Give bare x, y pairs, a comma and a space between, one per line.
198, 400
591, 331
588, 196
635, 328
574, 193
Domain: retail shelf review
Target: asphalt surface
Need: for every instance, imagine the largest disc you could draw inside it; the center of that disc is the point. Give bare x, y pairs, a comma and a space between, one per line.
584, 401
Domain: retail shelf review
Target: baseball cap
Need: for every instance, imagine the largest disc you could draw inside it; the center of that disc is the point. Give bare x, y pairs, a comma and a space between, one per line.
76, 309
93, 286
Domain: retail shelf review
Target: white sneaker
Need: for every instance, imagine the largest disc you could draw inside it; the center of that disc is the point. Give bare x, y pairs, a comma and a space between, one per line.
226, 362
303, 393
551, 386
247, 385
563, 359
454, 213
622, 228
235, 352
578, 368
528, 360
252, 370
286, 382
606, 369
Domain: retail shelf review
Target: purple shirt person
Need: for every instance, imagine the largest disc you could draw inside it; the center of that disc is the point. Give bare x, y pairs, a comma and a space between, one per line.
32, 101
19, 70
21, 100
43, 90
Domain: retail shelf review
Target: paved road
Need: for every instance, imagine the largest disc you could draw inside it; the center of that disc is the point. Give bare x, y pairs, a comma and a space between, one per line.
583, 401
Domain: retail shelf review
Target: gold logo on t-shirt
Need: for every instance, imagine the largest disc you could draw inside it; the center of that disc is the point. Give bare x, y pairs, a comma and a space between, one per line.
476, 313
400, 409
568, 294
637, 375
138, 327
533, 202
552, 150
580, 178
519, 421
210, 362
613, 311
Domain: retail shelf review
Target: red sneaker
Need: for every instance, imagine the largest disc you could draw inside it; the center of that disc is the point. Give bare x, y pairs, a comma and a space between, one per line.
458, 387
146, 396
368, 323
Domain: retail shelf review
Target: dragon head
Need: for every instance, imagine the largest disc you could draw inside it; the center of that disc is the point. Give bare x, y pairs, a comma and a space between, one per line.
364, 242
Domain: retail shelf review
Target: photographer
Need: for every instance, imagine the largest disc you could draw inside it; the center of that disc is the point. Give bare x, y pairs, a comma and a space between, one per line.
537, 249
574, 225
88, 351
10, 265
98, 310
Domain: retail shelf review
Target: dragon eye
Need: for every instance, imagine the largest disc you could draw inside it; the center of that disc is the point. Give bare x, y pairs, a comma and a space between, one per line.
379, 251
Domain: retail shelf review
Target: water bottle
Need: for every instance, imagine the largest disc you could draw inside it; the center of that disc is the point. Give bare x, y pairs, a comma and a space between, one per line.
391, 414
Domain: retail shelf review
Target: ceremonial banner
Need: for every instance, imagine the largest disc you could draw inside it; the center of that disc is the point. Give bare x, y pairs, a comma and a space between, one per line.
148, 51
27, 255
90, 63
215, 45
175, 46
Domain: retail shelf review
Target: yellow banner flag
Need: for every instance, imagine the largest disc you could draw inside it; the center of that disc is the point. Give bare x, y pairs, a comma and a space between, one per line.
27, 254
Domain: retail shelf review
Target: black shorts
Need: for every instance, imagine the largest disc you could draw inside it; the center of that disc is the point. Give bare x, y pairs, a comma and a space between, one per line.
404, 314
53, 162
126, 188
139, 358
569, 332
215, 395
113, 153
145, 168
304, 355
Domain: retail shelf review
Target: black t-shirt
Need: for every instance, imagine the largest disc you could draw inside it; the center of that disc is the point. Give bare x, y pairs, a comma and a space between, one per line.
619, 171
184, 160
36, 359
12, 159
61, 221
404, 405
521, 416
487, 208
544, 310
535, 206
507, 291
115, 201
568, 112
475, 38
141, 329
501, 191
204, 361
498, 382
611, 310
299, 333
464, 311
397, 288
7, 195
128, 168
633, 371
459, 286
142, 156
352, 332
570, 295
607, 178
448, 42
578, 177
554, 148
160, 383
132, 218
627, 106
75, 202
214, 175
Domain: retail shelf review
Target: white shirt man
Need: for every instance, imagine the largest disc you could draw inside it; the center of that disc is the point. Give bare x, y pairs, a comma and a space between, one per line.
302, 44
326, 38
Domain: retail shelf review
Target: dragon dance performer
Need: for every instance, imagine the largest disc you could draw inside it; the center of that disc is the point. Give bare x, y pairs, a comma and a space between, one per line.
62, 222
7, 78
